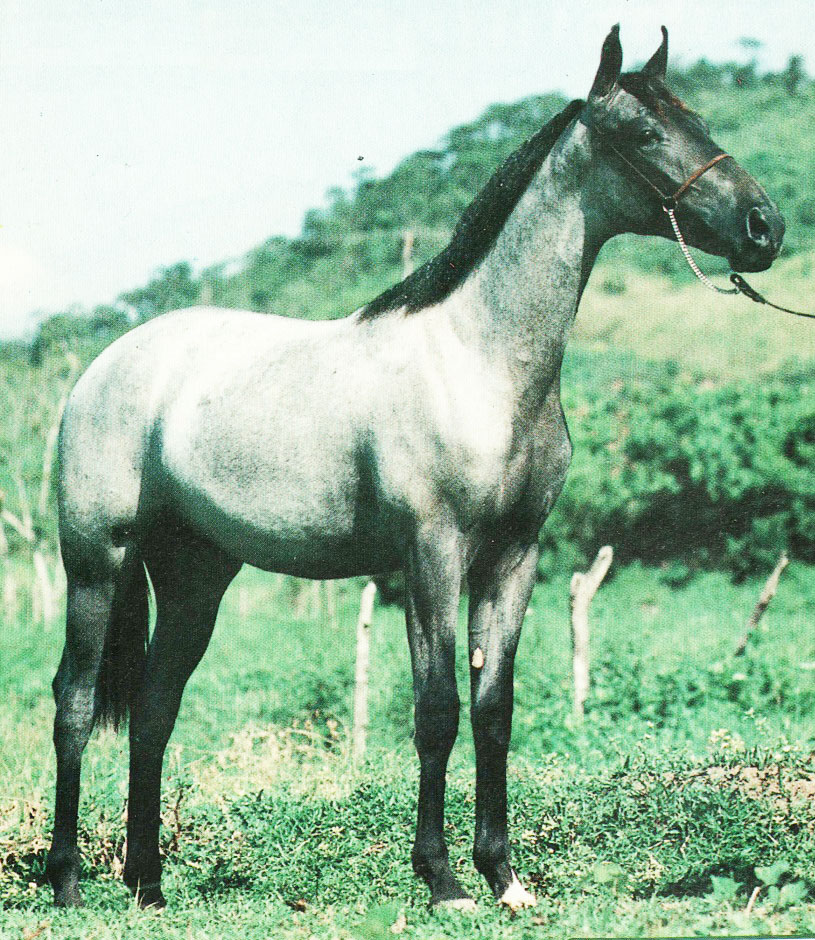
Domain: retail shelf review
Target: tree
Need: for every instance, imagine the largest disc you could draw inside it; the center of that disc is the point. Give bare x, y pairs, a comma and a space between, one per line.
794, 74
174, 287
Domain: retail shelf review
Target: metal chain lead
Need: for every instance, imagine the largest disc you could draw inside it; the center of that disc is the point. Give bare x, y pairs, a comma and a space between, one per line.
689, 258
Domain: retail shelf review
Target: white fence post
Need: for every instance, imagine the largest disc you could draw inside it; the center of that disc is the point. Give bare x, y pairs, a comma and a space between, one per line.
582, 590
366, 610
770, 587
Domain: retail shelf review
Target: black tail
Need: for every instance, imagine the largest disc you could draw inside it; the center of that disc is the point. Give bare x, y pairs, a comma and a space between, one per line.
125, 649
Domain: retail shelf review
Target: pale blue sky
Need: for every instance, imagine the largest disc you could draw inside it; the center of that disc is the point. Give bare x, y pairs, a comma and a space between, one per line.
137, 133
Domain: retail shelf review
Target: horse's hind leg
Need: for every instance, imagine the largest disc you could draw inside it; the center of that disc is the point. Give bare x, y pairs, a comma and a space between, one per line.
89, 608
105, 623
189, 576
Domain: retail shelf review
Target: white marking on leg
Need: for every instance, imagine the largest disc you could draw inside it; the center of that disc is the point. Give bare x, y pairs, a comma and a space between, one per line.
516, 896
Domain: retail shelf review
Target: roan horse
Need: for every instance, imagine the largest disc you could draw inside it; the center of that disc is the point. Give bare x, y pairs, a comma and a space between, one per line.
422, 433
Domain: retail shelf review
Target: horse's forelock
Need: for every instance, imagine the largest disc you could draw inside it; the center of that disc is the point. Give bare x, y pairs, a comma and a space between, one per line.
652, 92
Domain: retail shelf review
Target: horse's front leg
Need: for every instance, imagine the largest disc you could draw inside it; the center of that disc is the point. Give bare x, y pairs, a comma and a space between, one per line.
499, 594
433, 583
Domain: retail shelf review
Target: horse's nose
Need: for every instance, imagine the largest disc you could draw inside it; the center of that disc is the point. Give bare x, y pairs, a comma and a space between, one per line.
760, 231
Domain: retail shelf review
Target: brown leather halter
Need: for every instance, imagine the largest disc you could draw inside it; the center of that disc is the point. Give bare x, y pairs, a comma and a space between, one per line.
670, 202
673, 200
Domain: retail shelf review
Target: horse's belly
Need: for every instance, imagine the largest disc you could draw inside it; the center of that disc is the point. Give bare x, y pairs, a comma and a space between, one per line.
310, 545
307, 520
327, 558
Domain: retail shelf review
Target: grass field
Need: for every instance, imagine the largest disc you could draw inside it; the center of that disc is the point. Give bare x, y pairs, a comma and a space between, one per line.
720, 337
688, 786
681, 805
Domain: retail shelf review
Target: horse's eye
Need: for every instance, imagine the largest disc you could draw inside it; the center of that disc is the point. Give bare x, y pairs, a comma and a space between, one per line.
647, 135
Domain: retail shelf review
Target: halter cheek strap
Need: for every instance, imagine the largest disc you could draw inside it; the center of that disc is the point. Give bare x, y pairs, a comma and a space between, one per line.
672, 201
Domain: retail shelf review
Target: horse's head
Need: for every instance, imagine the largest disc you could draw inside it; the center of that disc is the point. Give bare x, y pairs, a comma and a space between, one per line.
647, 145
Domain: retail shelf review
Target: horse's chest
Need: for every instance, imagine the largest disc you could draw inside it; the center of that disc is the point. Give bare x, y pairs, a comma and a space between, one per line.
523, 477
519, 482
504, 473
465, 448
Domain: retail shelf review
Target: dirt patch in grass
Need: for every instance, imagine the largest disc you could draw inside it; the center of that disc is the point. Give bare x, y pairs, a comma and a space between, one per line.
783, 786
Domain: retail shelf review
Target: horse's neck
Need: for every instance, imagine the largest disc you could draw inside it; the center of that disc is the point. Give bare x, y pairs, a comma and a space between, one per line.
522, 301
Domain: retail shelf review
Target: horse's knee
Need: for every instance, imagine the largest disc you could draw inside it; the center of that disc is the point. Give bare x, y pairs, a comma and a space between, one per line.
437, 717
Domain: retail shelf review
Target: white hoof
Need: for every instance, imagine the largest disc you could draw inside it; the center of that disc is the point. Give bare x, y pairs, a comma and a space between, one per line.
467, 905
516, 896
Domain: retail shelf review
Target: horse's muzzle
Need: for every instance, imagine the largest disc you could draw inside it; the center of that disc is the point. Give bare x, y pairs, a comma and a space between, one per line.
761, 239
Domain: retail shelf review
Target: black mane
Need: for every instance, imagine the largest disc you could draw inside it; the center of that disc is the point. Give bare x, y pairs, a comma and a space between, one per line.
478, 228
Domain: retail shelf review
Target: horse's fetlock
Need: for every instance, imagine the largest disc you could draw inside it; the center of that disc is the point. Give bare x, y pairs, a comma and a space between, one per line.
141, 872
62, 863
429, 862
62, 869
490, 856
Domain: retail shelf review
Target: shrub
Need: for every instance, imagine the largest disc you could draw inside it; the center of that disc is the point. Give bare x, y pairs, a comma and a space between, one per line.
668, 469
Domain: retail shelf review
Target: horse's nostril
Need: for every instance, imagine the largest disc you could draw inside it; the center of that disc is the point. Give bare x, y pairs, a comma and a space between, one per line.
758, 228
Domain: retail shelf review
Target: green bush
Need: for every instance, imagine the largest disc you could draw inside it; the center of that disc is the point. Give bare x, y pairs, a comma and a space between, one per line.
670, 470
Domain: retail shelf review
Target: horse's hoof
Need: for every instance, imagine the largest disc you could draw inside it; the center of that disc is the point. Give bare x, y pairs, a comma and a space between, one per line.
516, 897
150, 896
68, 897
467, 905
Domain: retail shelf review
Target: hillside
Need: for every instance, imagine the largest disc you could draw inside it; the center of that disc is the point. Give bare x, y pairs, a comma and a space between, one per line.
352, 249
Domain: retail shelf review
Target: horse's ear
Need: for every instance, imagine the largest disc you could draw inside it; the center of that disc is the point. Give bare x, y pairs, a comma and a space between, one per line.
611, 61
656, 66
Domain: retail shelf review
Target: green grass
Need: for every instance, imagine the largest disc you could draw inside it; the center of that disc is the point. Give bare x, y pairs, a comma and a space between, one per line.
722, 338
691, 771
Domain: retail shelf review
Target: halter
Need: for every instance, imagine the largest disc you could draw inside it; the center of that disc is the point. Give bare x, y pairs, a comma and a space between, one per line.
669, 204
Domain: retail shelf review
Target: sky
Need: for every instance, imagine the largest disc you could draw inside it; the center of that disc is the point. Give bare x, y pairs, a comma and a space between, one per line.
139, 133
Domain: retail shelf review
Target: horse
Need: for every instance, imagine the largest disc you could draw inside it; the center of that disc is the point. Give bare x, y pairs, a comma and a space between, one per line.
423, 433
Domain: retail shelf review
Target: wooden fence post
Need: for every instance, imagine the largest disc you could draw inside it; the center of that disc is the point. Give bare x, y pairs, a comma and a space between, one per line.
407, 252
47, 607
582, 590
770, 587
366, 610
